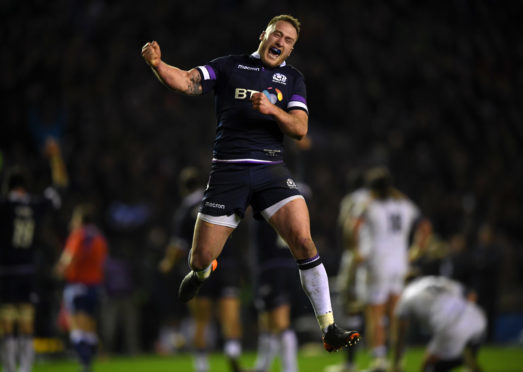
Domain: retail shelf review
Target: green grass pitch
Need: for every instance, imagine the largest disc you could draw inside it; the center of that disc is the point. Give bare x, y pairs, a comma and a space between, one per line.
492, 359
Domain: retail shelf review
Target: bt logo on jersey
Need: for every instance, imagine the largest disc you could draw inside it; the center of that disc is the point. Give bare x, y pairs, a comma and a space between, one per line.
242, 93
273, 94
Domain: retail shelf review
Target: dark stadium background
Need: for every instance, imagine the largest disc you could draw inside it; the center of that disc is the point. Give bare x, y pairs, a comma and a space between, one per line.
431, 89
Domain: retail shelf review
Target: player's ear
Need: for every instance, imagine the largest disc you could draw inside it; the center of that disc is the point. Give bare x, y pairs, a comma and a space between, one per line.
262, 35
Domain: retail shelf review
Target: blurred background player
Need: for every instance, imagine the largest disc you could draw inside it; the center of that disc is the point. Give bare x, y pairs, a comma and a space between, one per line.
456, 325
218, 297
351, 274
81, 264
191, 191
277, 283
21, 215
390, 218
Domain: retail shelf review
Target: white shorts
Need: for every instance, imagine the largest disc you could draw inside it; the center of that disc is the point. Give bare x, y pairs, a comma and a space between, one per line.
449, 342
380, 285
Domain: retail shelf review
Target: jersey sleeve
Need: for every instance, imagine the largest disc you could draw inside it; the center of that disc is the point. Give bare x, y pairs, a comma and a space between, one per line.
211, 72
346, 207
298, 100
361, 209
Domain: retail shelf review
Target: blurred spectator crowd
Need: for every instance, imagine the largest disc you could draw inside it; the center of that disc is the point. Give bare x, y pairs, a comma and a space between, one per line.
431, 89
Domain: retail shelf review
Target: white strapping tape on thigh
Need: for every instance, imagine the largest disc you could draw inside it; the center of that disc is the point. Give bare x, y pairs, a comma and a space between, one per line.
230, 221
269, 212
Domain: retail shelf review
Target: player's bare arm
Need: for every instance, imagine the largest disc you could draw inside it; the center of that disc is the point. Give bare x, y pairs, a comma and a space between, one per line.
294, 123
355, 228
63, 263
56, 161
173, 254
186, 82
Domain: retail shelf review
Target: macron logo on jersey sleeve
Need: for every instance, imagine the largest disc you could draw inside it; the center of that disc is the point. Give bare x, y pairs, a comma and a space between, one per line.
298, 102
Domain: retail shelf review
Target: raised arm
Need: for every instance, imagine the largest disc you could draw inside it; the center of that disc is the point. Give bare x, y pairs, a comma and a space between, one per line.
186, 82
294, 123
422, 239
56, 162
173, 253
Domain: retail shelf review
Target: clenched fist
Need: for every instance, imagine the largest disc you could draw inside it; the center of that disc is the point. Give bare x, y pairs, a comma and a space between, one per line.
152, 54
261, 103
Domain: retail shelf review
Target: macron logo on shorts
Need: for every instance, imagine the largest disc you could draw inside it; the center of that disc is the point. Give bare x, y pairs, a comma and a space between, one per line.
214, 205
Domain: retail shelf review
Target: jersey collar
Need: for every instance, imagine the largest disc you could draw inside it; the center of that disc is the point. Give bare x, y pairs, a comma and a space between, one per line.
257, 56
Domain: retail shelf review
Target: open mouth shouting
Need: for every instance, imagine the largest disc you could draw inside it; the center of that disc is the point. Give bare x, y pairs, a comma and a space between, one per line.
275, 52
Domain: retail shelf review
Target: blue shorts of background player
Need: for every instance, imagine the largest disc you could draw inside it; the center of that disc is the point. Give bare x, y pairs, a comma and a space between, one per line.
81, 298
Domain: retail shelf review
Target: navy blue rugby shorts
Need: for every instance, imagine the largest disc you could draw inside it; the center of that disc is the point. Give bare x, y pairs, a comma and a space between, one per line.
16, 289
276, 287
79, 297
233, 187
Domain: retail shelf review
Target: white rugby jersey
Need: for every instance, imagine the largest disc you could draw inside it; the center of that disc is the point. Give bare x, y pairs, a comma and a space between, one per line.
352, 206
434, 301
389, 222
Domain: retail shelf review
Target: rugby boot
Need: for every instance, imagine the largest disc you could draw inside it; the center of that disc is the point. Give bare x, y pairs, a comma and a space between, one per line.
191, 284
335, 338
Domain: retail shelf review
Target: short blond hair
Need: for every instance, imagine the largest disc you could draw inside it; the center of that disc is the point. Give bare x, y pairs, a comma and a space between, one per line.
287, 18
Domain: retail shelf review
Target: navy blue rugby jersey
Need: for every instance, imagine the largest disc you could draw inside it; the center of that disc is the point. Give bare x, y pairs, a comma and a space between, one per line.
243, 134
20, 217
